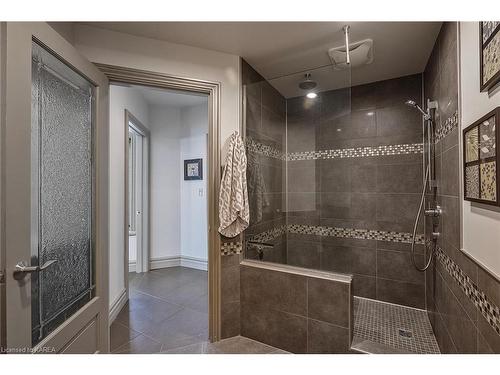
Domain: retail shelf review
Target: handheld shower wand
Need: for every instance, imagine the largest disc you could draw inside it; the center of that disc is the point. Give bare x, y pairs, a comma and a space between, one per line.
427, 181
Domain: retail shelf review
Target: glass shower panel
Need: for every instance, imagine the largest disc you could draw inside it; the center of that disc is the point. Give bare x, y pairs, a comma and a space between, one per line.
298, 129
62, 191
318, 196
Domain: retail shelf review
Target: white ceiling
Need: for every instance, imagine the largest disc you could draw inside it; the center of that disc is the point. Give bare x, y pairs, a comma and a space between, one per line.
169, 98
276, 49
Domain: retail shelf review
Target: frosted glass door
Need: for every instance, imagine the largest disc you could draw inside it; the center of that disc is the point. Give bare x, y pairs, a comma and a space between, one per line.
62, 191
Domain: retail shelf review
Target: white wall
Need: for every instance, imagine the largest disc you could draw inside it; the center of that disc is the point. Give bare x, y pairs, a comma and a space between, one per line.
108, 47
481, 225
194, 210
121, 98
115, 48
165, 127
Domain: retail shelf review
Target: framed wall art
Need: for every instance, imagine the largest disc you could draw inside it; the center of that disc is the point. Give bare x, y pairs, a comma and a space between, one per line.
193, 169
489, 42
481, 159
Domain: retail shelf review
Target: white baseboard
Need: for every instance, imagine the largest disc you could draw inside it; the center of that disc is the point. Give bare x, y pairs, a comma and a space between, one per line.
192, 262
164, 262
131, 266
117, 305
176, 261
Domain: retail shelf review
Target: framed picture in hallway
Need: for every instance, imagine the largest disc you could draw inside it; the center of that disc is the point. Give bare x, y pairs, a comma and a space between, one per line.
481, 159
489, 42
193, 169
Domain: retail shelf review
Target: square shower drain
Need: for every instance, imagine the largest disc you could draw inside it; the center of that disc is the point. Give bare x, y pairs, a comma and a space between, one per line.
405, 333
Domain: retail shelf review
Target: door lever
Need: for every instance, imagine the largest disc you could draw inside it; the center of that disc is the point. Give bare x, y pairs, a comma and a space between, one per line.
22, 269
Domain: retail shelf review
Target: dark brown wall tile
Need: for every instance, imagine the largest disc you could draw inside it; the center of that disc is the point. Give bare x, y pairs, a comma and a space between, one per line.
273, 290
459, 326
364, 286
363, 178
324, 338
276, 328
401, 293
451, 220
329, 301
398, 265
230, 319
399, 178
303, 254
348, 259
230, 284
449, 172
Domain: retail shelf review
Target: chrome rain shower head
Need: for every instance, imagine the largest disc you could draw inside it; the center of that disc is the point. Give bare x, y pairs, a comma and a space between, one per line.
413, 103
307, 83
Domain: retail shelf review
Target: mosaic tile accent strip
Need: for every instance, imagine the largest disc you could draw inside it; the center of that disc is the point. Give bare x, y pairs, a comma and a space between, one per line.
268, 235
447, 127
488, 309
231, 248
365, 234
358, 152
381, 323
472, 181
488, 181
491, 58
262, 149
487, 139
488, 29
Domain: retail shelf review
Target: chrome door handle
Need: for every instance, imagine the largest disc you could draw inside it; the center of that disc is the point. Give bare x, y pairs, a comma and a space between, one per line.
22, 269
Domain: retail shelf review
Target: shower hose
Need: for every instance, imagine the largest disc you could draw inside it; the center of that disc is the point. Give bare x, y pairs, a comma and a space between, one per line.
428, 263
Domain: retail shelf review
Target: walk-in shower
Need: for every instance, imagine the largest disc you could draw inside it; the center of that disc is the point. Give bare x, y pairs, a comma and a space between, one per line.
335, 182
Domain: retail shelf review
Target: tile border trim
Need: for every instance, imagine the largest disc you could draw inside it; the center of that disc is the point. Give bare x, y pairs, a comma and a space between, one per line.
360, 234
481, 301
341, 153
231, 248
447, 127
358, 152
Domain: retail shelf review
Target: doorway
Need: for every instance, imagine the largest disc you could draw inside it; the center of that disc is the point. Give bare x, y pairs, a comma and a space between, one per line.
166, 304
137, 157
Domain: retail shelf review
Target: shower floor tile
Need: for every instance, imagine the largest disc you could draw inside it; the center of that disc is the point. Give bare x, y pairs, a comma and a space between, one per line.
386, 328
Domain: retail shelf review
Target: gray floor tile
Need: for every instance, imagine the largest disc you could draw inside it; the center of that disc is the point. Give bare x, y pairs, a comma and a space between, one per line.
239, 345
382, 327
139, 345
198, 348
120, 335
167, 312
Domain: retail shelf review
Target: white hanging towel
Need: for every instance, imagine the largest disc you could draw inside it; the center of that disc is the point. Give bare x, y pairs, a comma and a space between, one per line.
234, 213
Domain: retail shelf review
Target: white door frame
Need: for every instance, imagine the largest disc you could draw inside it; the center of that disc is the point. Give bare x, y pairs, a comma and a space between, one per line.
16, 202
142, 231
120, 75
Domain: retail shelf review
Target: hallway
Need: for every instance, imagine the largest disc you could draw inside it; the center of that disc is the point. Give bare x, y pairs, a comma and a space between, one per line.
168, 313
167, 309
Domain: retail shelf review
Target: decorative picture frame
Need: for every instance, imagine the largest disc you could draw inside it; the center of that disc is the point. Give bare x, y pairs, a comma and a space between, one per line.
193, 169
489, 52
481, 159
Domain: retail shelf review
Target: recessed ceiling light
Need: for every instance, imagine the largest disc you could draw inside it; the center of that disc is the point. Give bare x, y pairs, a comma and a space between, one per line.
370, 113
311, 95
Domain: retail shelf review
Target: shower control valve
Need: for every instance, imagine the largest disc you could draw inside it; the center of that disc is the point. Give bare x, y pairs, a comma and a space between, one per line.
435, 212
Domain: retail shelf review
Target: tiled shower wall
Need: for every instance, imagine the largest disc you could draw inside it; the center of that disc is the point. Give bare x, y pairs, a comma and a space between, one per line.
334, 182
462, 298
265, 130
367, 177
265, 123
